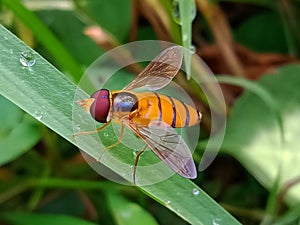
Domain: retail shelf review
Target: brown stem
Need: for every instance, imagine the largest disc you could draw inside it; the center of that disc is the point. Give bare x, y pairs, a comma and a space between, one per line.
222, 33
157, 17
283, 192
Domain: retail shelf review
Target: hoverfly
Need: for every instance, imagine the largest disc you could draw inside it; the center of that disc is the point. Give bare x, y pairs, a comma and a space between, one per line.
147, 113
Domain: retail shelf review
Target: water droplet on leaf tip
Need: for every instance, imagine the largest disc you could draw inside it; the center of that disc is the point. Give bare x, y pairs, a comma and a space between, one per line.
27, 59
194, 13
192, 49
176, 12
196, 191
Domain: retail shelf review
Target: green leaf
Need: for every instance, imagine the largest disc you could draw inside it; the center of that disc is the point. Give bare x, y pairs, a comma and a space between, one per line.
71, 35
113, 16
10, 116
19, 218
46, 94
270, 102
291, 217
18, 132
128, 213
184, 12
42, 33
254, 137
269, 35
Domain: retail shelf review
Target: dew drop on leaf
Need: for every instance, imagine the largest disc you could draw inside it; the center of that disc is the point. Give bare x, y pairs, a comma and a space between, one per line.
77, 127
192, 49
216, 221
196, 191
27, 59
38, 115
177, 15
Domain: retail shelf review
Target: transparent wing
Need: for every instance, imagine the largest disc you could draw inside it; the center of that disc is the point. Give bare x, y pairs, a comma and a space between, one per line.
169, 146
160, 70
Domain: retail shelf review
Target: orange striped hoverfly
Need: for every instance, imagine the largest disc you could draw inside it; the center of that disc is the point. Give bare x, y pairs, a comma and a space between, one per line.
147, 113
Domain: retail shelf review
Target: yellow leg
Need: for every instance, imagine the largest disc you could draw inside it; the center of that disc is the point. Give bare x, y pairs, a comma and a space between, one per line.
93, 131
136, 162
115, 144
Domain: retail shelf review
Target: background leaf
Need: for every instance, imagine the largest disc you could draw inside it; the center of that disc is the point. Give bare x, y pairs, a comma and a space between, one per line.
253, 135
269, 35
114, 17
18, 132
19, 218
71, 35
128, 213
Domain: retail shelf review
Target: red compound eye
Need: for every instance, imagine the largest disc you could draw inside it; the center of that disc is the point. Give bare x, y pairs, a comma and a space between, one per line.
100, 107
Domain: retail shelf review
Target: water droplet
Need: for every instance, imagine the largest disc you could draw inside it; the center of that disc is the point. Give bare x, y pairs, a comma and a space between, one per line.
106, 134
216, 221
196, 191
77, 127
176, 12
184, 37
168, 202
38, 115
27, 59
194, 12
134, 154
192, 49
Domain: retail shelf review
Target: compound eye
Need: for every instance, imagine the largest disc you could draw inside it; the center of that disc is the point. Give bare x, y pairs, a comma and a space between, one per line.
100, 107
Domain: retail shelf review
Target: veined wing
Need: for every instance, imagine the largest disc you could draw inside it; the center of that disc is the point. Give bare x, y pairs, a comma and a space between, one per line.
160, 71
169, 146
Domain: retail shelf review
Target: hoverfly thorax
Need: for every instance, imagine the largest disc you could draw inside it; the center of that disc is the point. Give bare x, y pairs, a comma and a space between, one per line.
124, 101
100, 107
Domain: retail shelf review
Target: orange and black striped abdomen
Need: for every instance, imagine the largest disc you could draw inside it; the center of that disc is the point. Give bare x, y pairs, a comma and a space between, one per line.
154, 106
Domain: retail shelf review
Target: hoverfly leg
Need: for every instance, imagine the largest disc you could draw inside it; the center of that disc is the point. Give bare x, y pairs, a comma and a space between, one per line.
136, 162
92, 131
115, 144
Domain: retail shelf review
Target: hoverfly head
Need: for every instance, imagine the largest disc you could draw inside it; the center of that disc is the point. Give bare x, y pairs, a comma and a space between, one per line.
99, 109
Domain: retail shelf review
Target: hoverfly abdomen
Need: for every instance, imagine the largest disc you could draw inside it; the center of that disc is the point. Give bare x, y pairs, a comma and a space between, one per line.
153, 106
